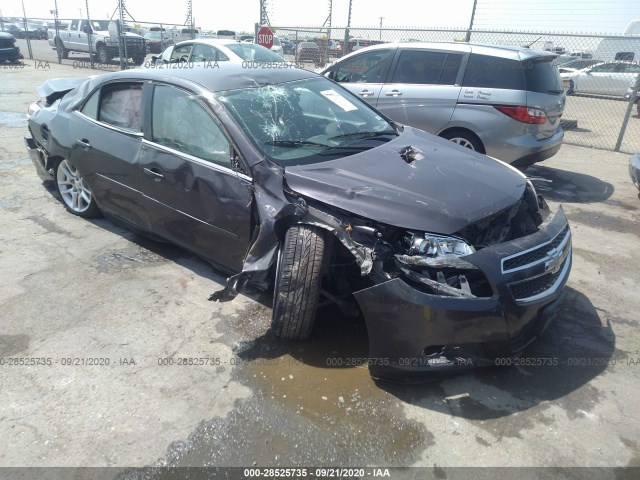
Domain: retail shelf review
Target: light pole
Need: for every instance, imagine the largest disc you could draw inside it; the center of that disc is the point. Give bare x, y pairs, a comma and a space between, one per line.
345, 46
473, 14
381, 18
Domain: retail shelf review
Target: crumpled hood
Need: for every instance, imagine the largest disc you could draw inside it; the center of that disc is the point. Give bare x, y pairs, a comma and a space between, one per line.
443, 192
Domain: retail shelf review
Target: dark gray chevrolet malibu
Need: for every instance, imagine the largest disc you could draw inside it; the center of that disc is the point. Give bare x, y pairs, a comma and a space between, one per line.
281, 177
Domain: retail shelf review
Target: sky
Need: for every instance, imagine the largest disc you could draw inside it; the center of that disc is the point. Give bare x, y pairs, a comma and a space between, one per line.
592, 16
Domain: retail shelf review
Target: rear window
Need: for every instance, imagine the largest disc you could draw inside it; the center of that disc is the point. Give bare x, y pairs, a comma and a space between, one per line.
540, 76
493, 72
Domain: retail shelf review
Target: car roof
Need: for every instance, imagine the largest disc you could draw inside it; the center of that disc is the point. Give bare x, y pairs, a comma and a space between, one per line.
224, 76
210, 41
504, 51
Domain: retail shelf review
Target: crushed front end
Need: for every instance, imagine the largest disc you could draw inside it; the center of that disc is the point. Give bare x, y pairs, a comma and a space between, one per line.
453, 302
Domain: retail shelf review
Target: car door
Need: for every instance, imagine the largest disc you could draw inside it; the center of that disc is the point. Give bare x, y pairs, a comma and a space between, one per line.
364, 74
422, 91
200, 201
107, 135
597, 79
625, 73
73, 35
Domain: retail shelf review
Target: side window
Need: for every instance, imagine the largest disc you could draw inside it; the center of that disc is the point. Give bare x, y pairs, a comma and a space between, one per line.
90, 108
120, 106
431, 68
604, 68
180, 122
494, 72
207, 53
74, 26
369, 67
181, 53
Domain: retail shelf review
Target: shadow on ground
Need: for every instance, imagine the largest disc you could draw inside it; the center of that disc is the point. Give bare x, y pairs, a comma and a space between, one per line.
569, 187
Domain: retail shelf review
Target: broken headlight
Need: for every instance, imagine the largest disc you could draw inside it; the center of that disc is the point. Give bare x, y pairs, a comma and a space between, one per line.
436, 251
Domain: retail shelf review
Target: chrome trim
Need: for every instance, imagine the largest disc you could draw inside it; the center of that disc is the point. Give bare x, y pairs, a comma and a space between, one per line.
546, 258
205, 163
125, 131
553, 288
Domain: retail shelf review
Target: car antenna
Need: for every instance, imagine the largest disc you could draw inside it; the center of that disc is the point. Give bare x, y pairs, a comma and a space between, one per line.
529, 46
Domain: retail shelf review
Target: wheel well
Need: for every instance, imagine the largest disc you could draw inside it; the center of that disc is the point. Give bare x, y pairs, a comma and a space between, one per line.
465, 131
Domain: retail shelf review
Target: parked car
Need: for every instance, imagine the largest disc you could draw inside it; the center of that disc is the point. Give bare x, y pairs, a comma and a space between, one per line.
157, 41
104, 43
8, 50
217, 50
502, 101
309, 52
281, 174
575, 65
608, 78
36, 31
15, 30
288, 47
277, 46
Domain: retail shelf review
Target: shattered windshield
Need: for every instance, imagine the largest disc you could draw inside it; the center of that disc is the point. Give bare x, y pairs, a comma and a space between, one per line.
306, 121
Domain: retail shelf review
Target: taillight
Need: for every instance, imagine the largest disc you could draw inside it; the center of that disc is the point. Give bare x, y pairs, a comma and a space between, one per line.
524, 114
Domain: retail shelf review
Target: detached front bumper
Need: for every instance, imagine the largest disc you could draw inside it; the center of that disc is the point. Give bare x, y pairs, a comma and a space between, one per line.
411, 331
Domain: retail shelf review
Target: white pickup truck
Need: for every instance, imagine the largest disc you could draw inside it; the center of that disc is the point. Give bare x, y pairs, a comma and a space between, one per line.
93, 37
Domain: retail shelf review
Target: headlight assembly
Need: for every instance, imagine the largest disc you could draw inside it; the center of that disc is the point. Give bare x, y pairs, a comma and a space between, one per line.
437, 251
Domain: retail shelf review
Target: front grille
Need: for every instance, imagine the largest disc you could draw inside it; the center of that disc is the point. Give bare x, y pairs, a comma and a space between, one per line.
533, 256
538, 285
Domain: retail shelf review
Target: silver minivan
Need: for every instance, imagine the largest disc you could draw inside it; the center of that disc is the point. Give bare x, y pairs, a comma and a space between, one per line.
502, 101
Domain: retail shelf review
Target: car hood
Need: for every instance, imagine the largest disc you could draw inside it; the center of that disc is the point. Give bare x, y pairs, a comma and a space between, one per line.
445, 190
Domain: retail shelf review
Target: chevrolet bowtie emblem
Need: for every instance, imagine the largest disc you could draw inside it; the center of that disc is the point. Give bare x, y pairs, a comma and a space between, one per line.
554, 260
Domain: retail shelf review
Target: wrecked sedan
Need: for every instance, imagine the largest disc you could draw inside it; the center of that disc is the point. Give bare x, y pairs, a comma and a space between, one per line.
281, 175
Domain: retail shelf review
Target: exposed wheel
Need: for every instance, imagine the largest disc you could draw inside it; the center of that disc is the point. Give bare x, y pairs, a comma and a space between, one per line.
465, 139
297, 282
103, 56
76, 196
570, 88
138, 59
61, 50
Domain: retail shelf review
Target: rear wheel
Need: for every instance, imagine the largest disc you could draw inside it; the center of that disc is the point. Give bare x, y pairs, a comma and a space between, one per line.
297, 283
61, 50
103, 56
138, 59
76, 195
464, 138
570, 88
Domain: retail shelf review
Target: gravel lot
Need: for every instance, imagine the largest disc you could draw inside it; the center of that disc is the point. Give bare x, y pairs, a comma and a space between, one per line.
73, 288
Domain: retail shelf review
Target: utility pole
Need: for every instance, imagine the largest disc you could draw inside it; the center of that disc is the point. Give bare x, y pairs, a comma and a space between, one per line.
473, 14
345, 47
381, 18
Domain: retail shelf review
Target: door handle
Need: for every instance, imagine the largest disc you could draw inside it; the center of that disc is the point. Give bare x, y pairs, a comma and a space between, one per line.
393, 93
365, 93
84, 143
153, 172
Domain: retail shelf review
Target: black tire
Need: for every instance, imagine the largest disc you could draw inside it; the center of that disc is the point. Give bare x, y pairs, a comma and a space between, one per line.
102, 54
570, 88
61, 50
297, 282
138, 59
464, 138
62, 176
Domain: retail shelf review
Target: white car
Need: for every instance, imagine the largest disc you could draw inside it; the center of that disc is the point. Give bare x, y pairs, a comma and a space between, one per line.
608, 78
217, 50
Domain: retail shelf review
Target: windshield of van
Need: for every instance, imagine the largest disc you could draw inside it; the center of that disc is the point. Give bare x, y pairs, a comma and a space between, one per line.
306, 121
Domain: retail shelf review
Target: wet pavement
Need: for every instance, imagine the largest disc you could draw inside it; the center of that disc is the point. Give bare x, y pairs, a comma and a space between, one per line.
195, 383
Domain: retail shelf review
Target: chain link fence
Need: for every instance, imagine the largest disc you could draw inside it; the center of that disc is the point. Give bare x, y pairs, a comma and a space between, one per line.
599, 72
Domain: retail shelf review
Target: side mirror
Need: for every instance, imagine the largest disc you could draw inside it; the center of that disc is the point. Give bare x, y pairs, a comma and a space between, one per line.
154, 58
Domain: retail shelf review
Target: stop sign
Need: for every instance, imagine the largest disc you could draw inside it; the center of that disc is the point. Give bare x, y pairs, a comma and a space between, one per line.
265, 37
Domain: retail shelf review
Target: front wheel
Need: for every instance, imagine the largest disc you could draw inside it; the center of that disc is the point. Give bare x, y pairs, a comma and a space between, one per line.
138, 59
465, 139
75, 194
297, 282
